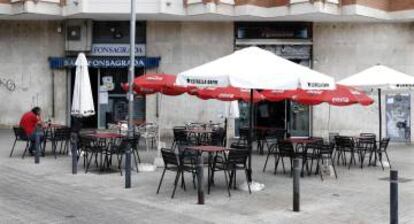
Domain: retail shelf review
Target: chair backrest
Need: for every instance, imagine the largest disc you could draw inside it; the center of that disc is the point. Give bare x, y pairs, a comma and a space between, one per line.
148, 128
19, 133
128, 142
169, 157
239, 146
367, 142
62, 133
325, 149
86, 143
286, 148
218, 136
180, 134
332, 136
384, 144
238, 156
344, 142
244, 133
367, 135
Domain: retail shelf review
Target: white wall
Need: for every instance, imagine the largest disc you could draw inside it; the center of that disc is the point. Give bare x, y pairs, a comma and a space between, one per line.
343, 49
183, 45
24, 50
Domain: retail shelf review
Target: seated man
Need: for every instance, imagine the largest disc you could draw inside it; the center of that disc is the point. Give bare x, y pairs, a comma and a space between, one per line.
29, 122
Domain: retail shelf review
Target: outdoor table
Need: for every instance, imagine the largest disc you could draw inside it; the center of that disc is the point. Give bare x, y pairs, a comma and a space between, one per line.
301, 142
49, 132
200, 149
105, 139
357, 139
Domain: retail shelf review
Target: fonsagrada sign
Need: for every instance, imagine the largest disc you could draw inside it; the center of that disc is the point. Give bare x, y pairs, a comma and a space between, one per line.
104, 62
116, 50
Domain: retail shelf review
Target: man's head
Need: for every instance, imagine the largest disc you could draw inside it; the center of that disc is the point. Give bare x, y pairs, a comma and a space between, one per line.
36, 110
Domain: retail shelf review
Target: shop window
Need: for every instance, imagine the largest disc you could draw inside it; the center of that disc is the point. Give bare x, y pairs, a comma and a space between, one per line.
273, 30
117, 32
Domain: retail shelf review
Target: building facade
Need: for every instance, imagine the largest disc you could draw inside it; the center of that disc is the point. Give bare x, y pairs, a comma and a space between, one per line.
39, 40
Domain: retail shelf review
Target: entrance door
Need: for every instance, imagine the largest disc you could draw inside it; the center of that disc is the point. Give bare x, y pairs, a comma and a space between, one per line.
91, 121
299, 119
398, 117
113, 104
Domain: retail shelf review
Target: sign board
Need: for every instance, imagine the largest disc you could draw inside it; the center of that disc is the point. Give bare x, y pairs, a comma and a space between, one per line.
116, 50
103, 95
104, 62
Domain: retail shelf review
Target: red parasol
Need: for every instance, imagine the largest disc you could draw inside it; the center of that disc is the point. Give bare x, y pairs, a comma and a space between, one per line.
153, 83
341, 96
227, 94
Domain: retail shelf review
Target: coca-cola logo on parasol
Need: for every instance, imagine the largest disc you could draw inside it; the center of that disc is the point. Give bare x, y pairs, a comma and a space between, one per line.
340, 99
314, 92
155, 78
226, 95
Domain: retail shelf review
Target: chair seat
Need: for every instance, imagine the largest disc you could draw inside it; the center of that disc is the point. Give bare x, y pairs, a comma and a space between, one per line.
229, 166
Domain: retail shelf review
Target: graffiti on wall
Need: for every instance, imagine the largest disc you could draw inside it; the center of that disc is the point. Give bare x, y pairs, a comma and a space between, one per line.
9, 84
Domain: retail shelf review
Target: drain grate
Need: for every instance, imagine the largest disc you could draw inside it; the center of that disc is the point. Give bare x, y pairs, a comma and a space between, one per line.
400, 179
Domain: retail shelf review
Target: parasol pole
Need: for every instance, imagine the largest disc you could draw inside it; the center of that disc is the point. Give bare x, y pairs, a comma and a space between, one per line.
380, 115
130, 95
250, 137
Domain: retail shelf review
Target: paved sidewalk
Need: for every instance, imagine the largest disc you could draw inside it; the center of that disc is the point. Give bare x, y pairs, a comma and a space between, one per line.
49, 193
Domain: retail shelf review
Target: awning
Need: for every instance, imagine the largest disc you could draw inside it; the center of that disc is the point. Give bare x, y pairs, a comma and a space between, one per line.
104, 62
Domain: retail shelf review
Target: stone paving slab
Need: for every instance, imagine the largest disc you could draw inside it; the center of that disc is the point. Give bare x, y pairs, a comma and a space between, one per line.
49, 193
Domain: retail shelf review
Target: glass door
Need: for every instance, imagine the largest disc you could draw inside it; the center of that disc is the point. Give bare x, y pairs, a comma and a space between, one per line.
113, 103
299, 119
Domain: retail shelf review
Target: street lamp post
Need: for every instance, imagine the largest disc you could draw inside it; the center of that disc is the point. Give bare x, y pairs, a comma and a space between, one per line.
130, 95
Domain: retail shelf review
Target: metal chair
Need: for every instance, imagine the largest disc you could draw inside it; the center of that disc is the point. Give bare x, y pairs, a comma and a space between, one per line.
20, 135
149, 132
344, 145
272, 139
173, 162
365, 145
325, 153
235, 160
61, 135
383, 146
180, 137
285, 150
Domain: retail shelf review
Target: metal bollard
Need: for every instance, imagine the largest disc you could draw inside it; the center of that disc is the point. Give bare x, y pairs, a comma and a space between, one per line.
200, 187
74, 150
394, 197
296, 178
128, 167
37, 146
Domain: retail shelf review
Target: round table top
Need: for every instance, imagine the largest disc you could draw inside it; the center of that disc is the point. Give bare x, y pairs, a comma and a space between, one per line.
208, 148
200, 131
105, 135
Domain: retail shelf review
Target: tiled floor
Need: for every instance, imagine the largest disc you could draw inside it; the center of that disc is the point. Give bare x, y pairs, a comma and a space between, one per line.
49, 193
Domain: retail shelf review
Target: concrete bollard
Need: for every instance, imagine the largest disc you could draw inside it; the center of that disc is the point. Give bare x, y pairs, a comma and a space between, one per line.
394, 197
296, 189
200, 187
74, 152
128, 167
